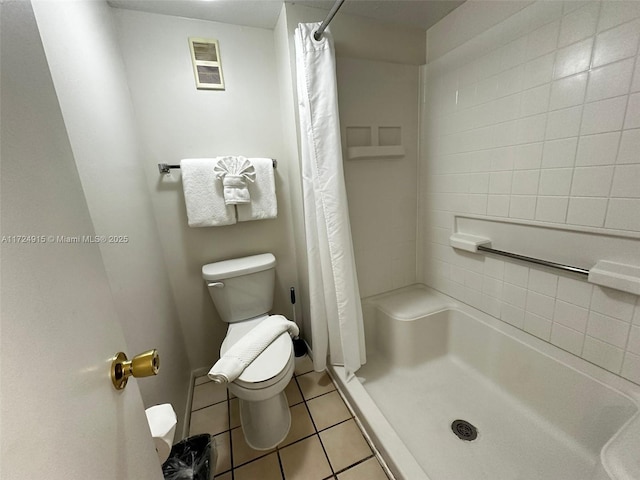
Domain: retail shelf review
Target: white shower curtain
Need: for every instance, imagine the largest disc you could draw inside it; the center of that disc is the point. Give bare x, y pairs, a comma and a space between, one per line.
336, 313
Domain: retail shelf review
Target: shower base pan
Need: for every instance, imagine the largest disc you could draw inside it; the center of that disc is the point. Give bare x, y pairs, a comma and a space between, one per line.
537, 412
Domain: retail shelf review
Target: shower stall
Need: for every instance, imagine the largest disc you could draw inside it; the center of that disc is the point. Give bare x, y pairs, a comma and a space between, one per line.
470, 179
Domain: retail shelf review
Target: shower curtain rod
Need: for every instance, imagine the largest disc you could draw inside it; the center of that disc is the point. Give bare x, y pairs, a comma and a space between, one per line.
336, 6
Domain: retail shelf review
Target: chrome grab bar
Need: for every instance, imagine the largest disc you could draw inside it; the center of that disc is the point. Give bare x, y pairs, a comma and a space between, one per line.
545, 263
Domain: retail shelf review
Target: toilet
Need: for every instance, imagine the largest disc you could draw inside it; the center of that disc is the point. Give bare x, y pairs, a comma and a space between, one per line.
242, 291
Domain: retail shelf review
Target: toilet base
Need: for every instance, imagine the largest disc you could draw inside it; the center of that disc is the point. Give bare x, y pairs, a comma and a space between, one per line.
265, 423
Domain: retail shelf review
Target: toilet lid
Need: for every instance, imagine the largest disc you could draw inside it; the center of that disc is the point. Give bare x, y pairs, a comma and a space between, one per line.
269, 366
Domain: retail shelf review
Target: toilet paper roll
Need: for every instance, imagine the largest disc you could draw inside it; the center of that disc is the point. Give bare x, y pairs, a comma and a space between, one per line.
162, 422
163, 447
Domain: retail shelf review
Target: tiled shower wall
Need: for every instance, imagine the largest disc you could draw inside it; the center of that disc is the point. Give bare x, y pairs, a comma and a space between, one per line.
536, 119
382, 191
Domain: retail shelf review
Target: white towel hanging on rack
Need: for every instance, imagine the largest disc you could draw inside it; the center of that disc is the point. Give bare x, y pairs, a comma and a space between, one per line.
203, 194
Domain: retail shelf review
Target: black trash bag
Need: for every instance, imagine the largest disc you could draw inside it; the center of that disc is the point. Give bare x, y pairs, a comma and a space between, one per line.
191, 459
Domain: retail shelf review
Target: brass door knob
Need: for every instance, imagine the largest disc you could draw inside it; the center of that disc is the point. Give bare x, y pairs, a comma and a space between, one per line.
142, 365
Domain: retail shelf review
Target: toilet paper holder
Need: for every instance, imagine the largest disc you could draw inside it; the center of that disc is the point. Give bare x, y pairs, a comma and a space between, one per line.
145, 364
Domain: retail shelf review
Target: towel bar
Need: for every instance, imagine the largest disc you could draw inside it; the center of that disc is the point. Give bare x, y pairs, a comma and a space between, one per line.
538, 261
473, 243
165, 168
619, 276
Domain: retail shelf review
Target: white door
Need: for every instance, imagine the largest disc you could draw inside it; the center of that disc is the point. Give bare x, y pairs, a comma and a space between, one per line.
61, 418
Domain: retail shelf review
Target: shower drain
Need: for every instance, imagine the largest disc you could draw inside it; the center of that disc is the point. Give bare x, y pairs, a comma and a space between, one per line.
464, 430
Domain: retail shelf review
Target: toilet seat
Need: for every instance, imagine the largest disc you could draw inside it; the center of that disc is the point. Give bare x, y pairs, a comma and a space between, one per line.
270, 366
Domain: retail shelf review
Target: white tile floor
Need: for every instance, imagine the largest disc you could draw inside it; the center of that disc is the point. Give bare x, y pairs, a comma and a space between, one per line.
324, 442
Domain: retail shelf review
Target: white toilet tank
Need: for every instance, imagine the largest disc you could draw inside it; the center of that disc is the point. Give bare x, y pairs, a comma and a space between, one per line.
241, 288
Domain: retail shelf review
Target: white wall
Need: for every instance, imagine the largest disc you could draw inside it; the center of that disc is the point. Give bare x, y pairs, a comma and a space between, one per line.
289, 122
382, 191
536, 120
178, 121
84, 58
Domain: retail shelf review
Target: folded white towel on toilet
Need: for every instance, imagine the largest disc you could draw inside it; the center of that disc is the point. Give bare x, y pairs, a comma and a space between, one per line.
247, 349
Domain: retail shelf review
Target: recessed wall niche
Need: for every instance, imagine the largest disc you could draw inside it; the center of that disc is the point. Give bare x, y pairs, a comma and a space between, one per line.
374, 142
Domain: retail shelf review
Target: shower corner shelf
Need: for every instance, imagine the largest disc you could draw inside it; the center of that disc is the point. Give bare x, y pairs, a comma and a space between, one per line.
470, 243
376, 151
618, 276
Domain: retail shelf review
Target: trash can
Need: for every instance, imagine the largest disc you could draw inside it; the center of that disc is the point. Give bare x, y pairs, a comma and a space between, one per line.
191, 459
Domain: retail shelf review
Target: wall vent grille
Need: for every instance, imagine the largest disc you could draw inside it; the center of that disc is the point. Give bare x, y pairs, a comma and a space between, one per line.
207, 67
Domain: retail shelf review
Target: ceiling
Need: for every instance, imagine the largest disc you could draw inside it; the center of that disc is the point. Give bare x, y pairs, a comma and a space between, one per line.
264, 13
417, 13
